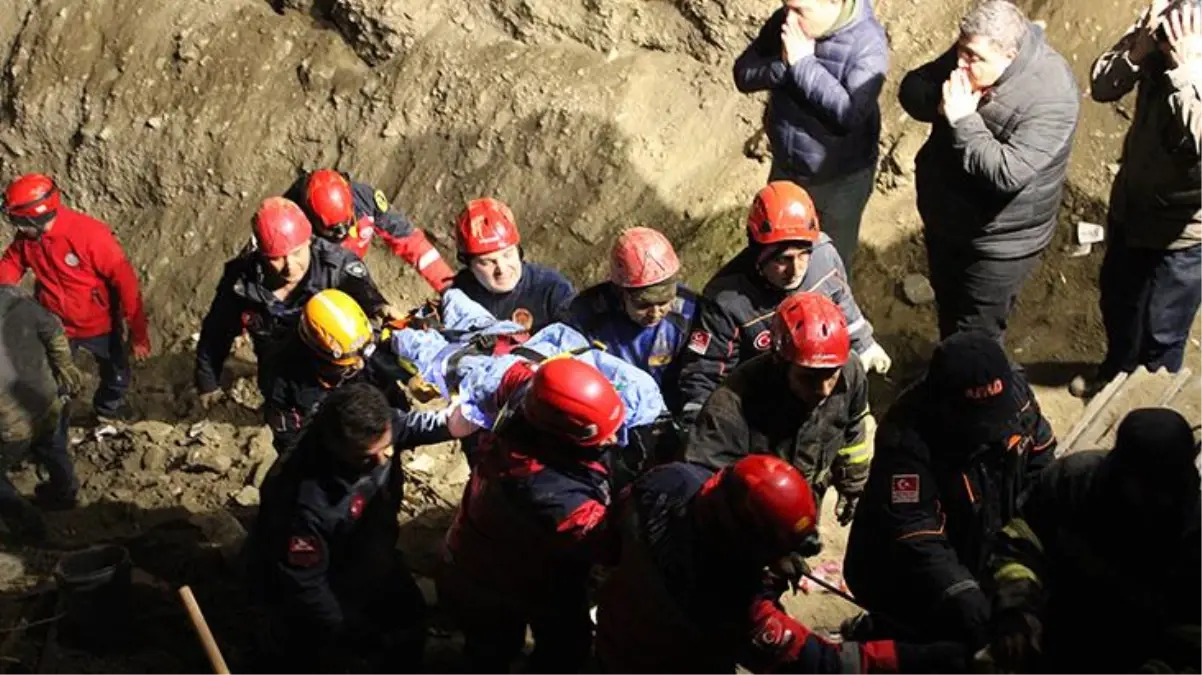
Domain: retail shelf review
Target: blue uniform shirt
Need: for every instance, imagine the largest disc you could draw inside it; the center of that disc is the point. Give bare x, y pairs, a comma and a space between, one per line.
598, 313
535, 302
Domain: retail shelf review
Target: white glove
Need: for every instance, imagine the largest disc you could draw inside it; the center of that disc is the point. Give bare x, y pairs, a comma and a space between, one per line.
875, 360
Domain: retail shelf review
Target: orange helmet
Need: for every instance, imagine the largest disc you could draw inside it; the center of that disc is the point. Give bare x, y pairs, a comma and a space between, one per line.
642, 257
328, 198
782, 212
485, 226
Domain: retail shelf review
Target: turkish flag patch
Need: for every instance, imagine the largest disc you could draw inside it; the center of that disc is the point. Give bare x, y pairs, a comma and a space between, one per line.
905, 488
304, 551
699, 342
357, 504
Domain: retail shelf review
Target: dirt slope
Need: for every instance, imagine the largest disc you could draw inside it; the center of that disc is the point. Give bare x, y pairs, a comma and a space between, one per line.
172, 120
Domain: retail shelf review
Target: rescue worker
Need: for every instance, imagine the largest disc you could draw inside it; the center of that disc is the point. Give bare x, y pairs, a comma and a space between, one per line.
952, 456
263, 290
496, 275
35, 368
643, 313
351, 214
688, 593
785, 254
322, 558
83, 277
805, 401
519, 549
334, 344
1102, 540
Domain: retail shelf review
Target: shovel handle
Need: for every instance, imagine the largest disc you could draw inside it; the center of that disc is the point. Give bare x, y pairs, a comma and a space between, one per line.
203, 632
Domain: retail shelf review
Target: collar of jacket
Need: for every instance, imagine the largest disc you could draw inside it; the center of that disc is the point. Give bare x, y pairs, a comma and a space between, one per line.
1026, 54
847, 16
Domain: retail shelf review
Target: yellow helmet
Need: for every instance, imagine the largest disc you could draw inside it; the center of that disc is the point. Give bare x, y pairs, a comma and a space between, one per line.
334, 326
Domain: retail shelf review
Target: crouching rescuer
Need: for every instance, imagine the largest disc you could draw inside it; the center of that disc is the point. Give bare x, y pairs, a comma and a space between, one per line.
806, 402
322, 558
689, 594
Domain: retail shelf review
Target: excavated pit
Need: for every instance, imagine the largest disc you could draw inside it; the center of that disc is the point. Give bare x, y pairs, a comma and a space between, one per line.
172, 120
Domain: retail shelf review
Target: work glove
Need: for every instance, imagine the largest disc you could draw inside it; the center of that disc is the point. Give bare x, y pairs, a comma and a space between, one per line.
66, 375
1017, 638
845, 508
875, 360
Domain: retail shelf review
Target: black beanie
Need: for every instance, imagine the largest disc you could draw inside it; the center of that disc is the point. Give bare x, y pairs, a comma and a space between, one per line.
1154, 443
973, 381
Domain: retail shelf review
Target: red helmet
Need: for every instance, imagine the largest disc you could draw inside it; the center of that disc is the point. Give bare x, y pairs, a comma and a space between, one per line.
573, 400
328, 197
280, 227
782, 212
642, 257
810, 331
33, 197
770, 497
485, 226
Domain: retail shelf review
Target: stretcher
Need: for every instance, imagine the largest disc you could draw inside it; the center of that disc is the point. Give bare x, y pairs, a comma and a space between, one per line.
465, 352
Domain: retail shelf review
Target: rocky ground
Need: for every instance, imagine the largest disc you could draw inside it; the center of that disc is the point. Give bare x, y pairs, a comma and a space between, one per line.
171, 120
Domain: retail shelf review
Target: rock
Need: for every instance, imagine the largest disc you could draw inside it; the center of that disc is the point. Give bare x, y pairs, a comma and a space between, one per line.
917, 290
246, 393
208, 459
12, 569
428, 588
262, 469
155, 122
374, 33
157, 432
259, 447
222, 530
154, 459
247, 496
421, 464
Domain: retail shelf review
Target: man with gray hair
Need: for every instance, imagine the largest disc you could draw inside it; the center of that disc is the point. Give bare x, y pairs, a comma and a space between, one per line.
1002, 105
1151, 278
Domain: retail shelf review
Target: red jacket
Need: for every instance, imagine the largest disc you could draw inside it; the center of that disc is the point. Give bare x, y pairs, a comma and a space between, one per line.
75, 264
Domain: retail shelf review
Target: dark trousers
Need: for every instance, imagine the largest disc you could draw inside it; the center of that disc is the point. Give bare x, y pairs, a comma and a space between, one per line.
113, 363
974, 293
48, 446
385, 633
840, 204
494, 628
1149, 300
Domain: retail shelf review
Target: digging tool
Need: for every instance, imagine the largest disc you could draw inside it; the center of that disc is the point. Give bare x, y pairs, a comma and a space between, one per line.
833, 589
203, 632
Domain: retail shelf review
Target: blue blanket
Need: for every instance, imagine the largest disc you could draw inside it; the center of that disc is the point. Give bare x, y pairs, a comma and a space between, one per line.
480, 376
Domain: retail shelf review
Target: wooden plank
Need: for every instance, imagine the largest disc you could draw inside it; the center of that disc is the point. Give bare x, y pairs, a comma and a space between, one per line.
1096, 405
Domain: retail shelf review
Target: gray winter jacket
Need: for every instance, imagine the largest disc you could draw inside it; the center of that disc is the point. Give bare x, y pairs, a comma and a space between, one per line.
991, 184
1156, 201
29, 337
733, 323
